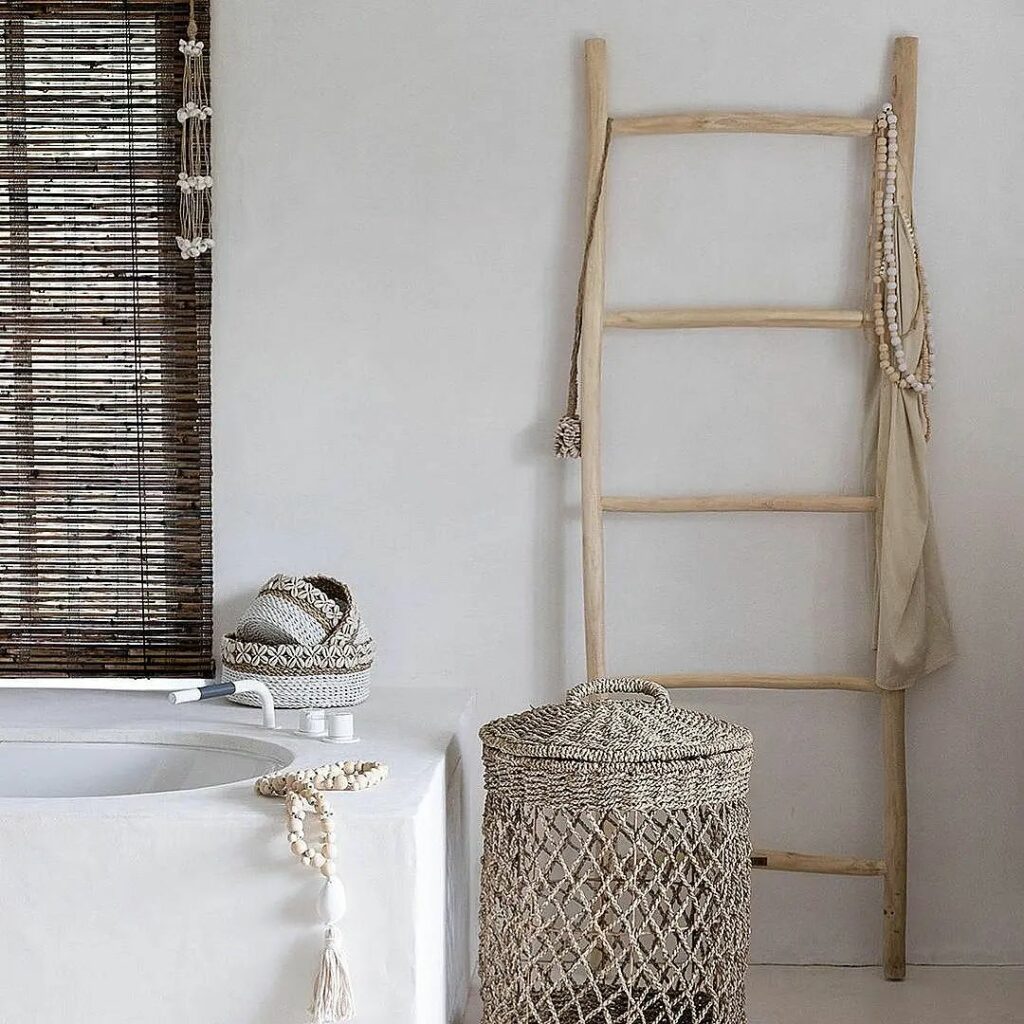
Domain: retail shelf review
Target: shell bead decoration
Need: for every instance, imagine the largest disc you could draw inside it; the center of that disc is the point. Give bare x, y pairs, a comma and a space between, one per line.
194, 179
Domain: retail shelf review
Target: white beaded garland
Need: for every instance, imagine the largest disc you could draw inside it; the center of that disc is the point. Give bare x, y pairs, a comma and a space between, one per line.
888, 328
303, 792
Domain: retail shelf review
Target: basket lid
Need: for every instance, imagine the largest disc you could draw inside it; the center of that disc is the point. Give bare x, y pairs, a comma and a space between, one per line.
585, 729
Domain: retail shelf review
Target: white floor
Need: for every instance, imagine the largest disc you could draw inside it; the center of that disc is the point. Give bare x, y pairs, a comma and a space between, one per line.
859, 995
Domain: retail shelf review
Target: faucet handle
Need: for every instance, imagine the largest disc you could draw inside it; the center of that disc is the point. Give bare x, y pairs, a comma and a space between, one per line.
253, 686
201, 693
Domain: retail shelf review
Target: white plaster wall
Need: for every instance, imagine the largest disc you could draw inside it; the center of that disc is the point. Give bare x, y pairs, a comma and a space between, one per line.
399, 222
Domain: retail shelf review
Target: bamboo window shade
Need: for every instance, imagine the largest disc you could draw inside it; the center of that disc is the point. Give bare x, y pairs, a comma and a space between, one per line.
105, 553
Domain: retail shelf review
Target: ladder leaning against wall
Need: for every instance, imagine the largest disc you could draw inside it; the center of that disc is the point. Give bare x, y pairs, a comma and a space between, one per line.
892, 867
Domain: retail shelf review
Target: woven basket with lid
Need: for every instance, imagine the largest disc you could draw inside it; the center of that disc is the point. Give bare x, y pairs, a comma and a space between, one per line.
616, 869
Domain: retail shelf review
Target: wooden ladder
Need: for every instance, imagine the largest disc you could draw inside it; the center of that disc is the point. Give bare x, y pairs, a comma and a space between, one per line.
892, 868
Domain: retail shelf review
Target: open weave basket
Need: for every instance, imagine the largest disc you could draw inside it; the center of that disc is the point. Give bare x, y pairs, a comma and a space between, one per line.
616, 870
304, 637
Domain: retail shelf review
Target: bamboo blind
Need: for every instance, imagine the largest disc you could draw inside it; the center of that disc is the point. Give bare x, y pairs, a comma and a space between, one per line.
105, 560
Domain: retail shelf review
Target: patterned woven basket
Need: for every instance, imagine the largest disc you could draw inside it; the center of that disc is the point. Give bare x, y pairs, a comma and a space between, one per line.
616, 863
304, 637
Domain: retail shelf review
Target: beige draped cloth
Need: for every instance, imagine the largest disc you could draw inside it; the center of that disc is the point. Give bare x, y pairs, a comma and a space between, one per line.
913, 631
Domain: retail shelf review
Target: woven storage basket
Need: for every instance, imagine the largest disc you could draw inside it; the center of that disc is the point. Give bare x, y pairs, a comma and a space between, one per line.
304, 637
302, 610
616, 868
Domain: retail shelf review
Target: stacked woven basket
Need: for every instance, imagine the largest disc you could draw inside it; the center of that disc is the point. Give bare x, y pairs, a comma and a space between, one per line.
304, 637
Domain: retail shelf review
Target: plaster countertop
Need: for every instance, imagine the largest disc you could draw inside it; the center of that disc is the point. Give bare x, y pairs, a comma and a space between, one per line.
416, 731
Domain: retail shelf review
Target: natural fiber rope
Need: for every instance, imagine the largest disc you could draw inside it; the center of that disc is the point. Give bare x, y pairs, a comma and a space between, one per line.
193, 29
568, 443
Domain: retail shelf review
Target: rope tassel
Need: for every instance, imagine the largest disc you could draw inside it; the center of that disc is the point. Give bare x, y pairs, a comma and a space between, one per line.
569, 438
332, 988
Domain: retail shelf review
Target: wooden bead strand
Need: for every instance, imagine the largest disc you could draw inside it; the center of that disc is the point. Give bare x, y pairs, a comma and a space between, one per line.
303, 793
888, 218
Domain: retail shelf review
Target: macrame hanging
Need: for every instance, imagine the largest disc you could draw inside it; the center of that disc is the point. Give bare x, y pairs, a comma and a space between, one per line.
194, 180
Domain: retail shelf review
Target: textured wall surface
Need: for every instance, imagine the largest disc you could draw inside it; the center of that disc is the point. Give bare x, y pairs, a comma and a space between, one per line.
399, 221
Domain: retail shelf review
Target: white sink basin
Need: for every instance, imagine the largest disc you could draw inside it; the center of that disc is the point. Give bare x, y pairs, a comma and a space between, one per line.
91, 763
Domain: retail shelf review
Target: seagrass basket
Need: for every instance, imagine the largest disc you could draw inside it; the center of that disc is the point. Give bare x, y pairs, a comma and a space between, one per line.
615, 886
304, 637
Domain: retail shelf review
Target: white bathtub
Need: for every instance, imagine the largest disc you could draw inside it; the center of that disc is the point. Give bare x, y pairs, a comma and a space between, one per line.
142, 881
97, 762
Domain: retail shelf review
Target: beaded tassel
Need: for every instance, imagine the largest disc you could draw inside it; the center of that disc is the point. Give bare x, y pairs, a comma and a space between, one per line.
303, 794
194, 180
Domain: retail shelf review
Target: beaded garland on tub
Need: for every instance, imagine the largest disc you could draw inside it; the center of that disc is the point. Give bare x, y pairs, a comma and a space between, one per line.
303, 793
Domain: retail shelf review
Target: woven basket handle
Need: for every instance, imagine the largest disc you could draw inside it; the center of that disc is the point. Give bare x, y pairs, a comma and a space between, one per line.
578, 694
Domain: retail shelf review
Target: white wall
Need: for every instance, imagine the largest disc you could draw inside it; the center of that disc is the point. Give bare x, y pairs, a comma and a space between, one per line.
399, 220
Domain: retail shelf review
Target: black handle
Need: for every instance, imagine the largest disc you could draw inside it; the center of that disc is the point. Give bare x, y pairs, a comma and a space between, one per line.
216, 690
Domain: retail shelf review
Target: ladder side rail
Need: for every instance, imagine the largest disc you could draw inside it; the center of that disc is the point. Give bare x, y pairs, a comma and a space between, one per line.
595, 59
894, 757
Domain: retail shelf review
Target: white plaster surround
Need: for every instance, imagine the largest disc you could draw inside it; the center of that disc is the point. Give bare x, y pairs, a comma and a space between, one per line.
399, 219
144, 908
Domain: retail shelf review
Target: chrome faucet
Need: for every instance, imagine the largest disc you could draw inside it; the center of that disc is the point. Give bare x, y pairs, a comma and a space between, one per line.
253, 686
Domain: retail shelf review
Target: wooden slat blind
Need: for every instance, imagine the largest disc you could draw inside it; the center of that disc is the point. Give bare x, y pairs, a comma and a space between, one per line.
105, 560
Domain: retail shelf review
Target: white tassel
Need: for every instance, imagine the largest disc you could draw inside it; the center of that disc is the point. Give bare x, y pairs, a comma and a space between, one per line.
332, 989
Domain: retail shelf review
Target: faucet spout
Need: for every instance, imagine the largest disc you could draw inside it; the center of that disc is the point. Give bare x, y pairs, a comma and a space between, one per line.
253, 686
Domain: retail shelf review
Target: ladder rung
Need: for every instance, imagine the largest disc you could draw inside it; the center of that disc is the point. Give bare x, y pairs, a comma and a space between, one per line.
784, 124
714, 680
783, 860
743, 503
731, 316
